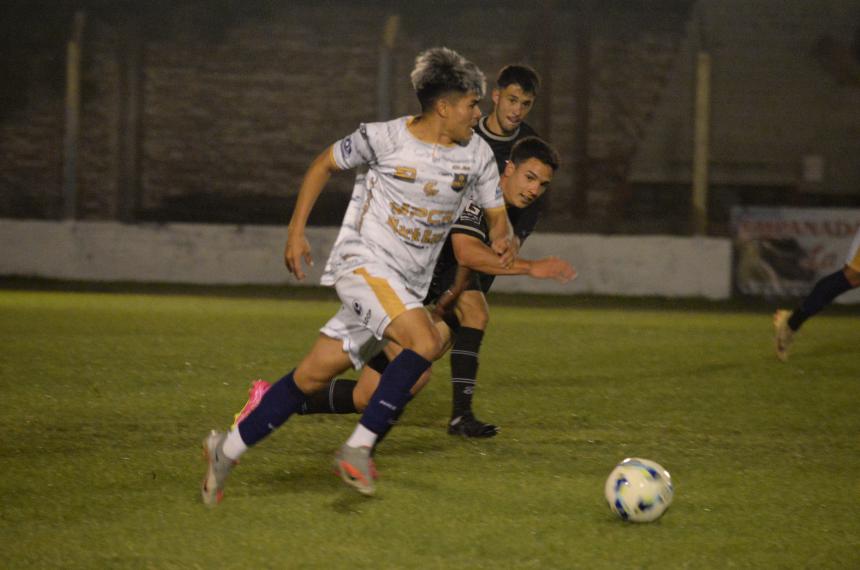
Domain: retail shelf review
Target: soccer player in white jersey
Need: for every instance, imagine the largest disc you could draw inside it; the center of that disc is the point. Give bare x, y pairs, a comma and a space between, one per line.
786, 323
526, 178
421, 173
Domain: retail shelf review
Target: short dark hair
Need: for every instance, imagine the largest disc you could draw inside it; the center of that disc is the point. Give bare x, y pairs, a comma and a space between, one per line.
440, 71
519, 74
534, 147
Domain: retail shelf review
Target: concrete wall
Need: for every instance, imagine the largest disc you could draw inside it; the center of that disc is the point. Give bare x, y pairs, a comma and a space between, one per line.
229, 254
774, 97
236, 98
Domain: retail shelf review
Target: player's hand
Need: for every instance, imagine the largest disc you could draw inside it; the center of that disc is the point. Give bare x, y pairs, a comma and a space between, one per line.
552, 268
446, 303
507, 251
296, 250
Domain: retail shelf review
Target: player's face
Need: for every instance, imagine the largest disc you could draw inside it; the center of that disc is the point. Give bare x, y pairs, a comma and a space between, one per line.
511, 106
462, 114
526, 183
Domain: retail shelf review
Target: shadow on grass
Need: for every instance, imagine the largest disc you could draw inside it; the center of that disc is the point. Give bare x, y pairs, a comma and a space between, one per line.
349, 501
314, 478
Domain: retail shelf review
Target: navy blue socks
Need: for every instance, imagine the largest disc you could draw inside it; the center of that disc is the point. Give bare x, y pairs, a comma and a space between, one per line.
827, 289
281, 401
392, 394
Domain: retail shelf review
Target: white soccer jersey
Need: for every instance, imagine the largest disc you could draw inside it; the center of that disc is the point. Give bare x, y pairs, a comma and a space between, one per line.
413, 193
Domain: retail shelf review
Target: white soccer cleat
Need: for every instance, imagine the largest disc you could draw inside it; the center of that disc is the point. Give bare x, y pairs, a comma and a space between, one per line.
212, 489
355, 466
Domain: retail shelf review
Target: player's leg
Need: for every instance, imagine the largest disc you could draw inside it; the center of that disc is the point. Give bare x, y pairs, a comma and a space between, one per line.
392, 350
823, 293
473, 315
368, 380
389, 310
412, 330
325, 360
344, 396
347, 396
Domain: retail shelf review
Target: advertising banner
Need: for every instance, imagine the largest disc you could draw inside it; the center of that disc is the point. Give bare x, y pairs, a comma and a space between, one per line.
782, 252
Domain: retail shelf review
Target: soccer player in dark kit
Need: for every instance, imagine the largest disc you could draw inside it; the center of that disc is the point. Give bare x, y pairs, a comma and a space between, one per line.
513, 99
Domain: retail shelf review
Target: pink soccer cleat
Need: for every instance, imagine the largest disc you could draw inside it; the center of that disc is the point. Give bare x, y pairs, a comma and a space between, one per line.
255, 394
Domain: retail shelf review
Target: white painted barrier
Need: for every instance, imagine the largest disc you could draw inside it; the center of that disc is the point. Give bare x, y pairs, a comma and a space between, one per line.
230, 254
632, 265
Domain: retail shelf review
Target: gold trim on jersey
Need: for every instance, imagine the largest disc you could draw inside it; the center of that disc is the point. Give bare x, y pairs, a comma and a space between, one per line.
405, 173
391, 303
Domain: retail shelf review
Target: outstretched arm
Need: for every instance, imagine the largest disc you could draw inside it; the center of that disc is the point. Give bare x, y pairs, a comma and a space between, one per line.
471, 252
298, 248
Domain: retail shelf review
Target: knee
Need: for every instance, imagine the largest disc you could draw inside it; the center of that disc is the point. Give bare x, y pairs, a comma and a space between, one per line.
309, 379
481, 320
476, 318
472, 310
428, 346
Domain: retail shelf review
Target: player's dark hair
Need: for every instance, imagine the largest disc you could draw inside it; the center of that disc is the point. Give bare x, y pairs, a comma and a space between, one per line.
519, 74
440, 71
534, 147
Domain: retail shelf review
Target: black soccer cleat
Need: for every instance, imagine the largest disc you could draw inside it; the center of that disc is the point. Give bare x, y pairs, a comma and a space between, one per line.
468, 425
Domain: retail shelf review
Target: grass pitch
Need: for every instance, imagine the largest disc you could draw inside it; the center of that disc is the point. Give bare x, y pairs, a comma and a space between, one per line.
105, 397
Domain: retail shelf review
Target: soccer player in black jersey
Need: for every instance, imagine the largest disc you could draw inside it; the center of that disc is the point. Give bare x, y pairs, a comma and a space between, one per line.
513, 98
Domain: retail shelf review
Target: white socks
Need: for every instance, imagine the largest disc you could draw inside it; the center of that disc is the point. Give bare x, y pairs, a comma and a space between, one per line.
361, 437
234, 447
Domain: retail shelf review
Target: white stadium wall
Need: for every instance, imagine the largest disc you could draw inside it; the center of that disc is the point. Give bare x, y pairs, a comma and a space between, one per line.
229, 254
632, 265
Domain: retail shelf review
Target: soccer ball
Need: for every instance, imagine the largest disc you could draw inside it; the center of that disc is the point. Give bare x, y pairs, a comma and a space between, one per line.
639, 490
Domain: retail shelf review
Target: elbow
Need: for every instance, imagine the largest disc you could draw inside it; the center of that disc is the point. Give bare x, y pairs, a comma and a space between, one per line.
468, 263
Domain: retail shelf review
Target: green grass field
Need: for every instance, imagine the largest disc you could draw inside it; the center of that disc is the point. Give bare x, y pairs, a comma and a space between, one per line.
105, 397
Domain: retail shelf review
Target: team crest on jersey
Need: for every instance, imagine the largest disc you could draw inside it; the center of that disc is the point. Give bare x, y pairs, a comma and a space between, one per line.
459, 182
430, 189
405, 173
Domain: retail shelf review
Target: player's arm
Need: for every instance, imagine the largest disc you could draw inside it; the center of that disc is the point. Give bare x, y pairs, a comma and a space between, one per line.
448, 300
474, 254
501, 234
315, 179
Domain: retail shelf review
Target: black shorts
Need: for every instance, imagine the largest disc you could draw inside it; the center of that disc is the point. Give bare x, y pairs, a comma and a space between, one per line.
444, 280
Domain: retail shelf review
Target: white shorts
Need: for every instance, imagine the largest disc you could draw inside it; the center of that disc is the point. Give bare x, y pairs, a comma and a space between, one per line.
372, 296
